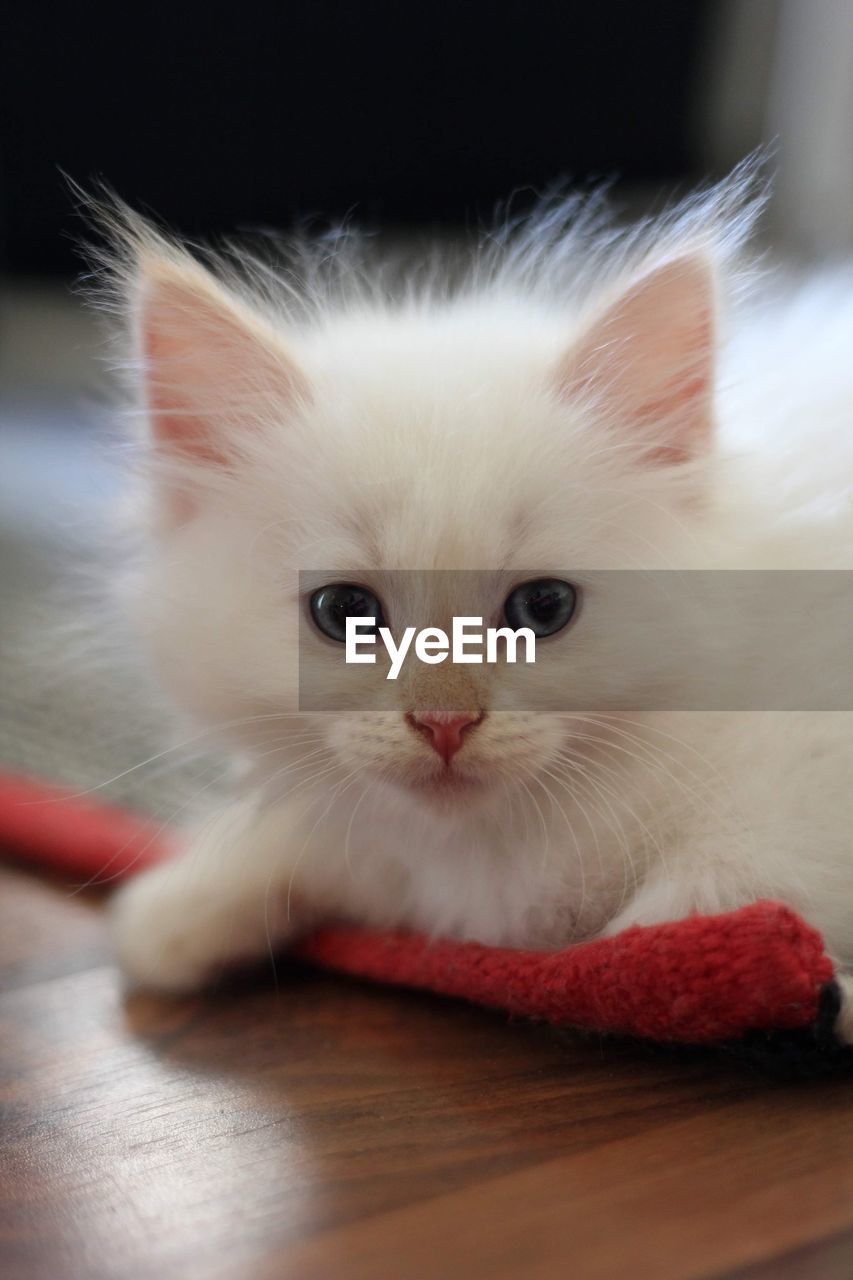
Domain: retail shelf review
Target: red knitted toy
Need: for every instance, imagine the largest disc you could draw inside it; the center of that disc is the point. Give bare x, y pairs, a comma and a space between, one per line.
726, 978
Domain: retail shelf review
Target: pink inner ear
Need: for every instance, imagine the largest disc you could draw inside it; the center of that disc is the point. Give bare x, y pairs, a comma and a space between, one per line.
212, 371
649, 360
210, 363
174, 425
687, 395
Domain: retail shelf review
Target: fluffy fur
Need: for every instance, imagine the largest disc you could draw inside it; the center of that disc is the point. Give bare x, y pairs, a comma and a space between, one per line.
577, 398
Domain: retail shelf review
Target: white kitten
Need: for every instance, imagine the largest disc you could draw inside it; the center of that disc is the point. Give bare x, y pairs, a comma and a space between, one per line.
552, 412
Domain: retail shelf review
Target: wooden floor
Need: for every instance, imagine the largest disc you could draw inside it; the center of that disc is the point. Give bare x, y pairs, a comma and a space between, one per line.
320, 1128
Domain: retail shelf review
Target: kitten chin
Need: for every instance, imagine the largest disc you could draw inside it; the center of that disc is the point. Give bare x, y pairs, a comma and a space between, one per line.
447, 789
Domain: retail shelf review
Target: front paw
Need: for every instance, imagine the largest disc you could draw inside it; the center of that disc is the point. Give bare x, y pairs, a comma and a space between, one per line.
170, 933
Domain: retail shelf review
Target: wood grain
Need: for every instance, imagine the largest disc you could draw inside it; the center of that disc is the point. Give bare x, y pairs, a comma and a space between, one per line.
308, 1126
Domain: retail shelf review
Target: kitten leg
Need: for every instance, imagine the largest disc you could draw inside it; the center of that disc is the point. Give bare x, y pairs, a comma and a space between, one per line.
223, 900
663, 897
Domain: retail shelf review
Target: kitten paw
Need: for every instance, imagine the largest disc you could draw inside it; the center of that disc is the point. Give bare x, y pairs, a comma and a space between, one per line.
172, 934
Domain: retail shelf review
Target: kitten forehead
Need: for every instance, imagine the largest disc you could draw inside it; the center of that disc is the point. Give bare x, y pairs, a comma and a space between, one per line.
438, 442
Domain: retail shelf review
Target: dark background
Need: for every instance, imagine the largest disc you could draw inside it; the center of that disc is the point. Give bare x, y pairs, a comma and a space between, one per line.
248, 115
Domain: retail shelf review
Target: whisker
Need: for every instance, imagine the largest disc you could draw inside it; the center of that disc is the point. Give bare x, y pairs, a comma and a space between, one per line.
178, 746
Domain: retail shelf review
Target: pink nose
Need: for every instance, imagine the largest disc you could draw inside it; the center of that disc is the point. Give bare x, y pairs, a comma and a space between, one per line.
445, 733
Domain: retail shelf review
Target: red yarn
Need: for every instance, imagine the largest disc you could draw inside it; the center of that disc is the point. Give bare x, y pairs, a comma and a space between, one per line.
699, 980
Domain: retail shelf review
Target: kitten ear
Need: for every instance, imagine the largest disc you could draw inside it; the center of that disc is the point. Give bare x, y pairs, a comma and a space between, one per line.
210, 365
649, 359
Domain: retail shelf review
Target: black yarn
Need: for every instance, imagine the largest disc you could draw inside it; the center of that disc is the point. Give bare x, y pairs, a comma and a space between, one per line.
811, 1052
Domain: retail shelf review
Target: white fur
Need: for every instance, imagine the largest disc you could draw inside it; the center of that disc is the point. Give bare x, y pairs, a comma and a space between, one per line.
455, 428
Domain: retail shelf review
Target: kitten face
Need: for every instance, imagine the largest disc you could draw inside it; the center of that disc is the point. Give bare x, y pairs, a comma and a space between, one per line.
500, 439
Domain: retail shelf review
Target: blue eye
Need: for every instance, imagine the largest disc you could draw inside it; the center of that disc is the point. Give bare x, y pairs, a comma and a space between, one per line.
545, 605
332, 605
